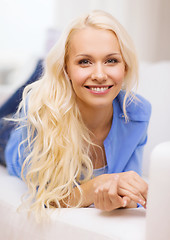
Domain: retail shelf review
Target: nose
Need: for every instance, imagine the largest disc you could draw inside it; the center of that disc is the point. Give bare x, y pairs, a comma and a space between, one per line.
99, 74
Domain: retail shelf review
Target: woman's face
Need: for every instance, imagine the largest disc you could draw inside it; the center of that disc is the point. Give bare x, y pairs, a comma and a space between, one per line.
95, 67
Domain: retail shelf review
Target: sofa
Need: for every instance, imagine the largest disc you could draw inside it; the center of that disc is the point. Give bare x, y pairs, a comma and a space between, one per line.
91, 223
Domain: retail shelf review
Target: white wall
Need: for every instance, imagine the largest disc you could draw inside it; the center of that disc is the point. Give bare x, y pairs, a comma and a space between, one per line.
24, 24
147, 21
154, 85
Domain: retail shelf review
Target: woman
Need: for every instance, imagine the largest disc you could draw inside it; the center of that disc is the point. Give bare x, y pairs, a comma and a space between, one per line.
82, 130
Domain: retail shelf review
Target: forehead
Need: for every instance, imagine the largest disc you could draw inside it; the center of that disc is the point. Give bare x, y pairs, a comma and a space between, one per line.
89, 40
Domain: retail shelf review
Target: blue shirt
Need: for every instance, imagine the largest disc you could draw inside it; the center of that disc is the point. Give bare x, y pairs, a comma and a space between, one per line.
123, 145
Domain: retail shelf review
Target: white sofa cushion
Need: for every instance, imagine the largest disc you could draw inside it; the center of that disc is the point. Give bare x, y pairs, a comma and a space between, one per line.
64, 224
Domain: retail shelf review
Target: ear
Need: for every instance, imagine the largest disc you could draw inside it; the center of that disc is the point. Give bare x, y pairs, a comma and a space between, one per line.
66, 71
126, 69
65, 67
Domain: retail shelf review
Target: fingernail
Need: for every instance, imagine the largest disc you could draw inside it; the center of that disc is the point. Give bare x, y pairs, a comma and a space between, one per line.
142, 202
124, 203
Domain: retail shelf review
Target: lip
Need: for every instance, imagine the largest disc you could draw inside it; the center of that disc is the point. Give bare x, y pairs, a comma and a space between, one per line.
104, 89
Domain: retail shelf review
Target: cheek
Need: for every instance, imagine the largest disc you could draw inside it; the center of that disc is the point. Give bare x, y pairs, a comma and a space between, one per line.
79, 76
118, 75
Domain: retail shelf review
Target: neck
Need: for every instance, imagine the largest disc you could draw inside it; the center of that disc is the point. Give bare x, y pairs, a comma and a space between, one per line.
97, 120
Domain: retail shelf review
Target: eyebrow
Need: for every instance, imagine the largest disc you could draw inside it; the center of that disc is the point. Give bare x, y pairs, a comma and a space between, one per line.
87, 55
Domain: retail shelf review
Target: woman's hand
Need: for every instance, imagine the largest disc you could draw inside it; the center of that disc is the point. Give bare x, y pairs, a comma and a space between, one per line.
119, 190
106, 196
132, 185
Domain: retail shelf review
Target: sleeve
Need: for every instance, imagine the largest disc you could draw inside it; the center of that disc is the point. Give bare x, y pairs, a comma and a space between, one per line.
135, 161
140, 112
16, 149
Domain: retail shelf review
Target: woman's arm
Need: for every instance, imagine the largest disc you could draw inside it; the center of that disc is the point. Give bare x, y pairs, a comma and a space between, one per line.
135, 161
16, 149
14, 153
111, 191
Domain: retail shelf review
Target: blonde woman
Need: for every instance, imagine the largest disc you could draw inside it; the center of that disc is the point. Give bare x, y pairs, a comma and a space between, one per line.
82, 129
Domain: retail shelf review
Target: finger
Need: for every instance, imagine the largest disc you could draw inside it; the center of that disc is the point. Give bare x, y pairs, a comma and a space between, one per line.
132, 182
114, 197
111, 199
138, 199
106, 197
108, 205
99, 199
141, 185
135, 181
105, 203
127, 201
134, 190
96, 201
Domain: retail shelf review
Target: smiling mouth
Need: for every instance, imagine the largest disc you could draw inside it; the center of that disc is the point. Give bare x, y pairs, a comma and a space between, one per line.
99, 88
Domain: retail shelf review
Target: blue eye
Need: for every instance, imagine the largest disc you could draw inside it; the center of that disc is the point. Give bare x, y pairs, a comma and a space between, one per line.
84, 62
112, 60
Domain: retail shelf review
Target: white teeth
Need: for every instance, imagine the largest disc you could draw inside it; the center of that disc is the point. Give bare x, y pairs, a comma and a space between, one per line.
99, 89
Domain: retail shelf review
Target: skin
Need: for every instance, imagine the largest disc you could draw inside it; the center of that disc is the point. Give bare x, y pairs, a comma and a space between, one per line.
96, 70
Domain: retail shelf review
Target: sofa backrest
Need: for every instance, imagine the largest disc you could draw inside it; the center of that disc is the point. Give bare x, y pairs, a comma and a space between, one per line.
154, 85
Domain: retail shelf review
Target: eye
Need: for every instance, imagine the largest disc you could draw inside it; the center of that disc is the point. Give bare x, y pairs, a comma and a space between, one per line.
111, 61
84, 62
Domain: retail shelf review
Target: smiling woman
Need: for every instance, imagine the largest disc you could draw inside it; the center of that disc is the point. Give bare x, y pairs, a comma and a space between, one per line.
82, 129
95, 67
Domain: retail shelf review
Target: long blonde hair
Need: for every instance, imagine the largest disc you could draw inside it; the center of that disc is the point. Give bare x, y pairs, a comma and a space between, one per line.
58, 140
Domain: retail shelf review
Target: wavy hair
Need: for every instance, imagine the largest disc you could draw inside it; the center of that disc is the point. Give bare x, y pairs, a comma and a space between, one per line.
58, 140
